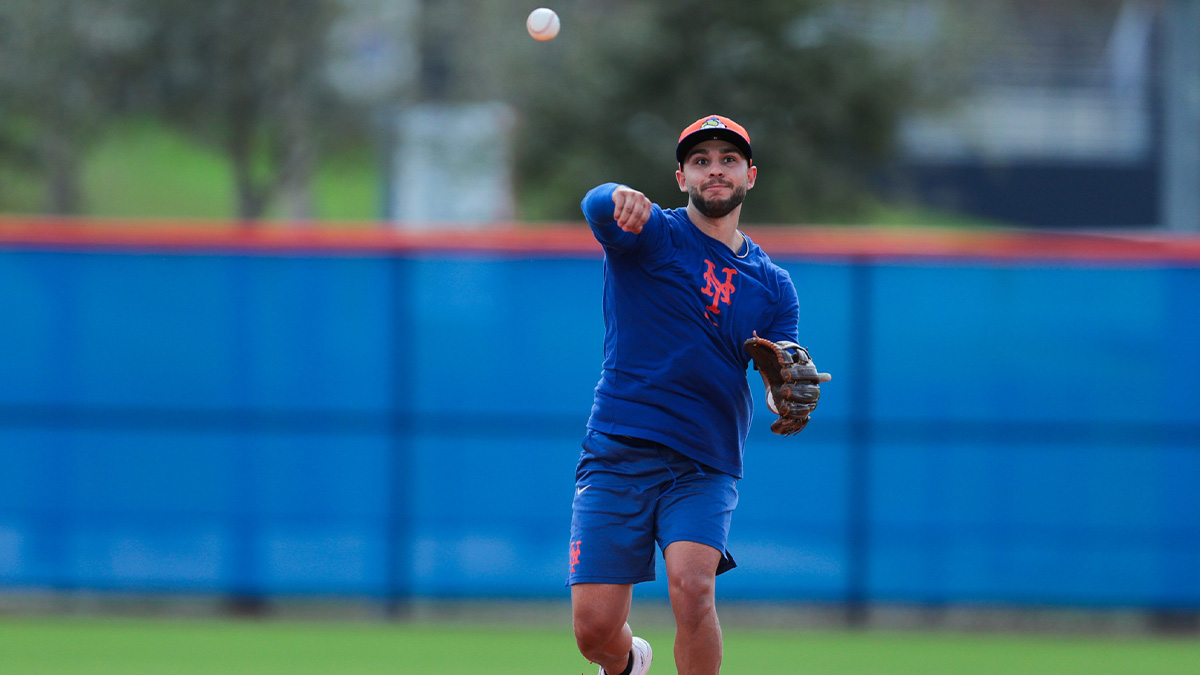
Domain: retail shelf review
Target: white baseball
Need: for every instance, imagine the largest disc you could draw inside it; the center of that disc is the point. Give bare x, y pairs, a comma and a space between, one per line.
542, 24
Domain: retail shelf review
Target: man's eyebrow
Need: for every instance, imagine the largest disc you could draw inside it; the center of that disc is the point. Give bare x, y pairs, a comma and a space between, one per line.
721, 150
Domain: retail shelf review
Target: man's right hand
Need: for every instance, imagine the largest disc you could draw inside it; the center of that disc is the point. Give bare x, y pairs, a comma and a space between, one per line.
631, 209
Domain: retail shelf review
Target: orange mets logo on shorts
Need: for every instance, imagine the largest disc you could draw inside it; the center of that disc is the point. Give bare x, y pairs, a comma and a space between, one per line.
575, 554
717, 290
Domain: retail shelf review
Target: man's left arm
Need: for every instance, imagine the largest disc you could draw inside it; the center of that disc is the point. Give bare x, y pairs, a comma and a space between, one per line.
789, 375
786, 327
786, 324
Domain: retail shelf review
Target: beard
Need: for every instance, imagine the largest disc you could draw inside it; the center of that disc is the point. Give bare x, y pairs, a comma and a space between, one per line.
716, 208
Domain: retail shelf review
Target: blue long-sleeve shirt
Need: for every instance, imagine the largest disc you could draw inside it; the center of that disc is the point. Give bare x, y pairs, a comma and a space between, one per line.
678, 306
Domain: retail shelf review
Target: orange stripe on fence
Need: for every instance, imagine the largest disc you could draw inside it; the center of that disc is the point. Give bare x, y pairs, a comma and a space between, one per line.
575, 239
266, 237
980, 244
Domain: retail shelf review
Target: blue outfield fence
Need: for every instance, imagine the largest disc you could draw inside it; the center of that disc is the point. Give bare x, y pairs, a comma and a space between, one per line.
403, 421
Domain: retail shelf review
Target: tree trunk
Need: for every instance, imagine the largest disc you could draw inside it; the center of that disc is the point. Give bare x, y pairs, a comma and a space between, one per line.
61, 159
296, 187
251, 197
251, 201
297, 156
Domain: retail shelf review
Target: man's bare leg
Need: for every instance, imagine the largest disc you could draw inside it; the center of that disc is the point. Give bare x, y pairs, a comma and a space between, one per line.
600, 613
692, 580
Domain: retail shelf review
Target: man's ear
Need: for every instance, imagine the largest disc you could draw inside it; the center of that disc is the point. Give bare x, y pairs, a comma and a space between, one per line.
679, 179
751, 176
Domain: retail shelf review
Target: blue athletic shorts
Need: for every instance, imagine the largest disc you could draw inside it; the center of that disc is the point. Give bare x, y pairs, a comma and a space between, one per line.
631, 493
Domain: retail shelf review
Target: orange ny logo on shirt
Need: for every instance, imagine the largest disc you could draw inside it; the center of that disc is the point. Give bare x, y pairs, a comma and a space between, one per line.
717, 290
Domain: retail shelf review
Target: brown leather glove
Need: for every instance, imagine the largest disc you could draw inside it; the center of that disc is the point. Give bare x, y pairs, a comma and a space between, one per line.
793, 384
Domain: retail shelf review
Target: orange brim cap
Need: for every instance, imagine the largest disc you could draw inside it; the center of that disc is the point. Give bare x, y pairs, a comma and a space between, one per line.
713, 127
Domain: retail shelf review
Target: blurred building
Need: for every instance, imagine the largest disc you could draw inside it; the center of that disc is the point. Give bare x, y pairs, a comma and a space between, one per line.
451, 163
1057, 117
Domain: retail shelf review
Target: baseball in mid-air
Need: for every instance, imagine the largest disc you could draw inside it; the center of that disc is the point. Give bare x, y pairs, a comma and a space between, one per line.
542, 24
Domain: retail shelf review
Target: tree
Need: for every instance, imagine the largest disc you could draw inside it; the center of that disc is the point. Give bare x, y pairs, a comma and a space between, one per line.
820, 102
249, 78
64, 68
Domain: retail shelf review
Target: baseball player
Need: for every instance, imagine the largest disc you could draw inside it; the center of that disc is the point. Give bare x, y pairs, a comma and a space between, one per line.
689, 301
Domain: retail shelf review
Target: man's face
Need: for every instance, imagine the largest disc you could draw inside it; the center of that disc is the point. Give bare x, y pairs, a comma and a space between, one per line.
716, 177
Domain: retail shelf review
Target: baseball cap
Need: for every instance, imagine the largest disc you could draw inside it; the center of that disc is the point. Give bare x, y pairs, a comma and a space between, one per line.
709, 128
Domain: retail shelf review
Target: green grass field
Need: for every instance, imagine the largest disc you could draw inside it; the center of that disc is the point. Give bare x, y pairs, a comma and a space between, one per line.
141, 169
142, 646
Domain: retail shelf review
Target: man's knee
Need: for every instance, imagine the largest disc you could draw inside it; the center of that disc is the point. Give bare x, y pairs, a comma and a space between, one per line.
594, 629
598, 613
692, 579
692, 592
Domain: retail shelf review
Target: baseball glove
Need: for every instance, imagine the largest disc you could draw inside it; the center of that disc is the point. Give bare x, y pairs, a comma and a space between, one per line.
793, 385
